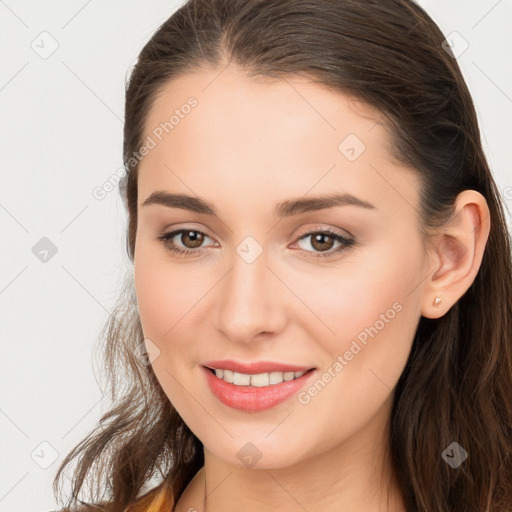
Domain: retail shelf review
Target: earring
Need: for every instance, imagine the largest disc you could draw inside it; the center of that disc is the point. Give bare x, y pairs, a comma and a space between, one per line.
436, 302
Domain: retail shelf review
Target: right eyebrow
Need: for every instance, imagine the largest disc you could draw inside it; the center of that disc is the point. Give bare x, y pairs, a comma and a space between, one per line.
193, 204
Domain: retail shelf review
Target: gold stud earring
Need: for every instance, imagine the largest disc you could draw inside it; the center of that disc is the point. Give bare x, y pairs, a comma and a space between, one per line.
437, 301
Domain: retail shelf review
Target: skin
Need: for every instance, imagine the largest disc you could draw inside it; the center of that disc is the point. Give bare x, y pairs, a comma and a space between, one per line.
248, 145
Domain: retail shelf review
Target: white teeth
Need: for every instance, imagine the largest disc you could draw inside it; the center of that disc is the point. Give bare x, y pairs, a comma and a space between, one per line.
241, 379
258, 380
276, 377
228, 376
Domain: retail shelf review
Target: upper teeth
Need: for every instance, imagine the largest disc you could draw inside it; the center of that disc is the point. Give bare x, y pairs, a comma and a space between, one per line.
258, 380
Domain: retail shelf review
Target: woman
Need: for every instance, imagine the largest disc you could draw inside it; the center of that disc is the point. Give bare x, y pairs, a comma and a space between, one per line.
322, 286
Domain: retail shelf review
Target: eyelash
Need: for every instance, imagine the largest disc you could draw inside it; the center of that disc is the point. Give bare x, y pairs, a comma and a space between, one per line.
347, 243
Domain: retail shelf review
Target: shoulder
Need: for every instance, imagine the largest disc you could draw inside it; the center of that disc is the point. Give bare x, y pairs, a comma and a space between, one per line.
99, 507
158, 495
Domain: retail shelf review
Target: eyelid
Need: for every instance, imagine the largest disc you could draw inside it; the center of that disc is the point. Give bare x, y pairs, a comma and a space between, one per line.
325, 227
315, 227
177, 229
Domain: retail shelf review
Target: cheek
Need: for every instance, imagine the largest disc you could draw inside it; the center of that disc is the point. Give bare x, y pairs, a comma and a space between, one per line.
359, 378
375, 315
166, 291
365, 290
365, 361
166, 295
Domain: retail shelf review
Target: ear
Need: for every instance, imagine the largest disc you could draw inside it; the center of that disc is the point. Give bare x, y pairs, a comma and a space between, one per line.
456, 253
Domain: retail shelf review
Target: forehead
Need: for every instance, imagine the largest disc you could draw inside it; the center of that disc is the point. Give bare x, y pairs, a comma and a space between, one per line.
262, 135
228, 100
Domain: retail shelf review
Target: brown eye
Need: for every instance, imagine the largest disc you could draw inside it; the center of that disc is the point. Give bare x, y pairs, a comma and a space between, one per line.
192, 239
186, 241
323, 241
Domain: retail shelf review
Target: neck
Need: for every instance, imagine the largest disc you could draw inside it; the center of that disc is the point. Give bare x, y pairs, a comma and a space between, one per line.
315, 485
352, 476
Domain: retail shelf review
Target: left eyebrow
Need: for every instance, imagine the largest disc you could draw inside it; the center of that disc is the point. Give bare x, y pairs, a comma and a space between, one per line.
307, 204
284, 209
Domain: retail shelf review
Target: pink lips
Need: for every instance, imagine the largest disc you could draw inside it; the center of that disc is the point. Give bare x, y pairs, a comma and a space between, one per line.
250, 398
257, 367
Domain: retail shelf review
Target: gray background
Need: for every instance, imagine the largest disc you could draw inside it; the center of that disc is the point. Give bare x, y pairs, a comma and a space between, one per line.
61, 137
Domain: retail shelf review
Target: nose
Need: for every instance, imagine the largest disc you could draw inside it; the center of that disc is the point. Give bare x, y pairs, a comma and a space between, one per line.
251, 301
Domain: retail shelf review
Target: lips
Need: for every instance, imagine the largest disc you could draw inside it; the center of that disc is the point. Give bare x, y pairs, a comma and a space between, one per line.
249, 398
255, 367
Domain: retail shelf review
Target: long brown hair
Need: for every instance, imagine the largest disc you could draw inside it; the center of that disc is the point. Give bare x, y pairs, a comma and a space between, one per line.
457, 383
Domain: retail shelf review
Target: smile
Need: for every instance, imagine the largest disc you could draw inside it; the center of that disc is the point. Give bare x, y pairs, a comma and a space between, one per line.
255, 392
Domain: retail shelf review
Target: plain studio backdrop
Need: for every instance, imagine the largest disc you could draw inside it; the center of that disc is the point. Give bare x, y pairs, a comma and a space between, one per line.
62, 79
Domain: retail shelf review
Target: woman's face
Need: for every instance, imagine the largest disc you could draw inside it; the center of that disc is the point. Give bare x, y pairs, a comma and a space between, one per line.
336, 288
